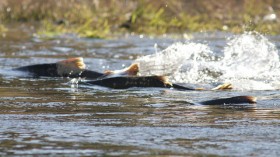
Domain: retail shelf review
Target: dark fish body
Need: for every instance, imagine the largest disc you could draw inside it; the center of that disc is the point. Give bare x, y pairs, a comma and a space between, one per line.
231, 100
124, 82
179, 87
71, 67
37, 70
50, 70
128, 82
74, 68
91, 74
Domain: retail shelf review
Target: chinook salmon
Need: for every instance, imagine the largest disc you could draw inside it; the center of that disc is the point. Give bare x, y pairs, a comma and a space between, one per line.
231, 100
162, 82
124, 82
66, 68
120, 79
73, 67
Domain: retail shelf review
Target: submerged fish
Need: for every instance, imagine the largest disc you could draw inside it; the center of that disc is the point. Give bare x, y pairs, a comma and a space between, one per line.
231, 100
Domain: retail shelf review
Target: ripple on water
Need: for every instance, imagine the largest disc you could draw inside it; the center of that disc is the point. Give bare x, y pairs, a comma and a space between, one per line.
49, 116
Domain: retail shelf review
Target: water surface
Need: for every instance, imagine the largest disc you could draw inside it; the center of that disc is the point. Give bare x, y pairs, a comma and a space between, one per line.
51, 116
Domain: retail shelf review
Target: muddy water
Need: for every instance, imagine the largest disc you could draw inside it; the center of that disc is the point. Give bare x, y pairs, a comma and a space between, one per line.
49, 116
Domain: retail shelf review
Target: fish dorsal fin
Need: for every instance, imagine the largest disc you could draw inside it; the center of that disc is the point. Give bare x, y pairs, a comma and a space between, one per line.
132, 70
70, 66
251, 99
165, 80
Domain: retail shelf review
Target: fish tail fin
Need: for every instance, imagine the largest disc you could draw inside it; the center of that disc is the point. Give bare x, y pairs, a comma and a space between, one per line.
224, 86
132, 70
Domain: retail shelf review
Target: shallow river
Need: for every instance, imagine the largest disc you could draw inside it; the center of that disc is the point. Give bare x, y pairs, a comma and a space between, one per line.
48, 116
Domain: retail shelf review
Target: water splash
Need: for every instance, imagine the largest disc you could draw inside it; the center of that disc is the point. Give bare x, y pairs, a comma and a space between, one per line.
249, 55
250, 62
171, 59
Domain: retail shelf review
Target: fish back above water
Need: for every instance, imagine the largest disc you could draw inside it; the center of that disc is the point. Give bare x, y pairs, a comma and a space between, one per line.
129, 82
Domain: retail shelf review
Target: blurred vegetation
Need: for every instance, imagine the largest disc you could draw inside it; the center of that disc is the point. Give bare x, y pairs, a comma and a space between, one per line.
103, 18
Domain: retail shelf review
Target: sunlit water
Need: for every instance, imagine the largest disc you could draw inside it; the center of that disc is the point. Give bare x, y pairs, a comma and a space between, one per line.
50, 116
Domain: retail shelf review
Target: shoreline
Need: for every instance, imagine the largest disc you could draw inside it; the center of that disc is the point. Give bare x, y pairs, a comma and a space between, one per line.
101, 19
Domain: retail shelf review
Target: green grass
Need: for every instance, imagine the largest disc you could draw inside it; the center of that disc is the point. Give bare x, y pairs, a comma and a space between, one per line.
104, 18
2, 28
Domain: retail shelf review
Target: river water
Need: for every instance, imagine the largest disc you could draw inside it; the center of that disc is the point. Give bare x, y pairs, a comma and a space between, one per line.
52, 116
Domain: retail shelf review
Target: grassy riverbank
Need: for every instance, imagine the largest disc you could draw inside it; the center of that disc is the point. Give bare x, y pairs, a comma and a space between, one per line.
102, 18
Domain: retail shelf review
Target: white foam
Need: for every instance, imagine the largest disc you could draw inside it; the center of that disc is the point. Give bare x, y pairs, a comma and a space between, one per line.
171, 59
249, 55
250, 62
